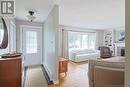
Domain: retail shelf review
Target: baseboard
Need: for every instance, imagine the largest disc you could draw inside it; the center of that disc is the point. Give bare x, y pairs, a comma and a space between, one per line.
47, 75
25, 76
56, 82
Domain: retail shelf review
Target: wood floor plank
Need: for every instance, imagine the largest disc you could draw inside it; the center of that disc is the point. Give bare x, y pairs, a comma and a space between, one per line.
77, 76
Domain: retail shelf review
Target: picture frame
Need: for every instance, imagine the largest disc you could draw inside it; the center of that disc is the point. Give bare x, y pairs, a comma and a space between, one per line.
120, 36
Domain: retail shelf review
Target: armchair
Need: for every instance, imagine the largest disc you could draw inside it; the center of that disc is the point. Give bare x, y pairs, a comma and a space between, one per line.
105, 52
106, 72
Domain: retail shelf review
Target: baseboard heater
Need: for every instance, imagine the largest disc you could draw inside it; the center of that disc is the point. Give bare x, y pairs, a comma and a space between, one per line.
49, 82
25, 75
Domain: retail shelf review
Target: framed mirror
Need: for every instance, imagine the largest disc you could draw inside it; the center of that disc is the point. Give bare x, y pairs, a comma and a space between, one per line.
3, 34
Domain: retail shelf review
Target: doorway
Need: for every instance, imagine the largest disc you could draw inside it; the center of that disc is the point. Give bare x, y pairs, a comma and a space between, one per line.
31, 40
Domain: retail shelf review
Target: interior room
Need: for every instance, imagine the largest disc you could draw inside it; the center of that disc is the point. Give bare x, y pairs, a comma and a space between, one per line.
63, 43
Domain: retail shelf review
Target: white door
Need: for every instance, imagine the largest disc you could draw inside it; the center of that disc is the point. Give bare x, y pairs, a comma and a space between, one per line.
32, 45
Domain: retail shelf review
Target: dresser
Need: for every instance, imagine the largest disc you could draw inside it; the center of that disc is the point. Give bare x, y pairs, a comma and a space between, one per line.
11, 72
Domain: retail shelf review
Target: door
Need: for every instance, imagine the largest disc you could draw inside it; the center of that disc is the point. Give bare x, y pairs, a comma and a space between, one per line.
32, 45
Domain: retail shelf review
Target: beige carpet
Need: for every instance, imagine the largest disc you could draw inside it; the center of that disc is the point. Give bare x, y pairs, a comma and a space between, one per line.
35, 77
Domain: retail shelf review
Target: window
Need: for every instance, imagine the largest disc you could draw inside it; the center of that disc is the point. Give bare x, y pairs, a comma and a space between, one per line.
31, 42
79, 41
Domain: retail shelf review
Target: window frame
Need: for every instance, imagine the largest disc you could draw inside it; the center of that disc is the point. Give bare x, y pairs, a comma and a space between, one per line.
81, 40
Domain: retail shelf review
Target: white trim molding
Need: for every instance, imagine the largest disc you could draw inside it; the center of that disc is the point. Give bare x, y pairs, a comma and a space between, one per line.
50, 74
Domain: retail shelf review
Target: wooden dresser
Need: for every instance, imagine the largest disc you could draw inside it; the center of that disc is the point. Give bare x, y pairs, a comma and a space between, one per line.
63, 65
11, 72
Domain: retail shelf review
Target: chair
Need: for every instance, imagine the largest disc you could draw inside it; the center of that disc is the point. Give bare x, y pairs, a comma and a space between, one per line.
105, 52
106, 72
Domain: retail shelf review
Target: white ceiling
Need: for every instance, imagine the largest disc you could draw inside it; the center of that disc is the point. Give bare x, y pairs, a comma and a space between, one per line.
94, 14
43, 7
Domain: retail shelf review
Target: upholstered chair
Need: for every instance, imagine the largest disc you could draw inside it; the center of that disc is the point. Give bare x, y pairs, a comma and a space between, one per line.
105, 52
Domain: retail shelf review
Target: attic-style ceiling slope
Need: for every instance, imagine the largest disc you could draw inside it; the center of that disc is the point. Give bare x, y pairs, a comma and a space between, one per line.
43, 7
95, 14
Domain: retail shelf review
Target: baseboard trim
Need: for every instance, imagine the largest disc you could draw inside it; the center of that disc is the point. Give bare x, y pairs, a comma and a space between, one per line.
25, 75
49, 81
56, 82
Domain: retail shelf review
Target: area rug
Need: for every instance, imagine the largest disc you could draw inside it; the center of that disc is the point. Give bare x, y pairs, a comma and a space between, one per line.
35, 77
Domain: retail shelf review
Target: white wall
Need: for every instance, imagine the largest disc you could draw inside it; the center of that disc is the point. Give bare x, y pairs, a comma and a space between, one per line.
99, 38
51, 44
127, 74
18, 24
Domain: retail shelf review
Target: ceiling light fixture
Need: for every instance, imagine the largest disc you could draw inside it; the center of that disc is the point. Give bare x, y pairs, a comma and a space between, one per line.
31, 16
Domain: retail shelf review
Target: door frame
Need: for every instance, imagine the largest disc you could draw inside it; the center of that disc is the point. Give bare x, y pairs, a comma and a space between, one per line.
11, 23
21, 38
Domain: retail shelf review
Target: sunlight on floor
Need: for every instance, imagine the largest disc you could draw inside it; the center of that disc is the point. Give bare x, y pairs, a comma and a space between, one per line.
77, 76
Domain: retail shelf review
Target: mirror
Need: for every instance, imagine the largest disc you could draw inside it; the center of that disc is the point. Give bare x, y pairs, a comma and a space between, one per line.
3, 34
1, 31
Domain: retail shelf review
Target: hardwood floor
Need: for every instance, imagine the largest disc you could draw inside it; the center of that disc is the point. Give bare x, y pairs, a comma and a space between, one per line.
77, 76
